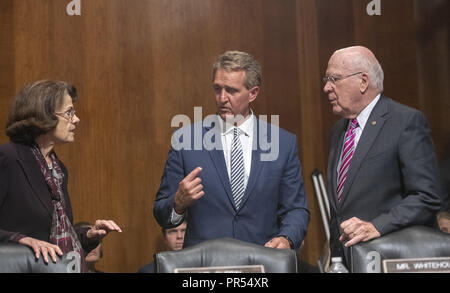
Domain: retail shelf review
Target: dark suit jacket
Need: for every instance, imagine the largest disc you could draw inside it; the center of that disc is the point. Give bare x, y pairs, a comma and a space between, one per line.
274, 201
147, 269
393, 177
25, 201
445, 179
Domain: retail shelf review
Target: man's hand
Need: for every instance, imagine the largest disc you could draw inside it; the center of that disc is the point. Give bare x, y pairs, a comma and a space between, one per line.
278, 242
355, 230
189, 191
101, 228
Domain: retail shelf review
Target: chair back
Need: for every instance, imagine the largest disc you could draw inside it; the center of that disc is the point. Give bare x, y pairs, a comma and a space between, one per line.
17, 258
227, 252
411, 242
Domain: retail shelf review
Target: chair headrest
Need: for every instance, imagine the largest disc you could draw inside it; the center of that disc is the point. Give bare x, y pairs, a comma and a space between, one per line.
227, 252
411, 242
17, 258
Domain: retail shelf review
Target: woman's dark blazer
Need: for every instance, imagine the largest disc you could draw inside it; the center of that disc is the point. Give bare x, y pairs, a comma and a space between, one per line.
25, 200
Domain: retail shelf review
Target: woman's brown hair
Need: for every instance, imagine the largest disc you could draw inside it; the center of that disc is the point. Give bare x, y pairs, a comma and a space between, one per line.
33, 109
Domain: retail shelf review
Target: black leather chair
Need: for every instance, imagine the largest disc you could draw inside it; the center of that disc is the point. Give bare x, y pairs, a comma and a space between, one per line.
227, 252
16, 258
411, 242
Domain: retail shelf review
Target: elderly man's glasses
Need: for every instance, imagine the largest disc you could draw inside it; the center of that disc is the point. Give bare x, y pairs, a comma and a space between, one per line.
334, 79
69, 114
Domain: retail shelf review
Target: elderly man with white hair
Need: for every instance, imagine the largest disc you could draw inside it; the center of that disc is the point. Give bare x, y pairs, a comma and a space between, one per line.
382, 169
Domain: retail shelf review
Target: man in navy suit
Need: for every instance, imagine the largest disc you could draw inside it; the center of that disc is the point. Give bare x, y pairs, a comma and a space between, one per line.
266, 202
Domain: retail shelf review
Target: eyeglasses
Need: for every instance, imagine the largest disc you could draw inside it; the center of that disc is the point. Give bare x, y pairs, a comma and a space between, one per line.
69, 114
334, 79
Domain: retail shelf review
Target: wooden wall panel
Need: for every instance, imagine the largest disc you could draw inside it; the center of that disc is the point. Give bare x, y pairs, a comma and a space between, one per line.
137, 64
6, 62
311, 141
432, 42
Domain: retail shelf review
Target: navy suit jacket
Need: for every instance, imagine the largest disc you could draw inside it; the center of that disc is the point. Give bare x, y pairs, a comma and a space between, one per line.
392, 180
274, 202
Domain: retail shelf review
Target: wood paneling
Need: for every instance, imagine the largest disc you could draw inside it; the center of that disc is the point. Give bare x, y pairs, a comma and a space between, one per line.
311, 120
137, 64
6, 62
432, 42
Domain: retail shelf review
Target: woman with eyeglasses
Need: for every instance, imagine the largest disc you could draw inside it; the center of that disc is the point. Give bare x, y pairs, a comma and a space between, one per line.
35, 207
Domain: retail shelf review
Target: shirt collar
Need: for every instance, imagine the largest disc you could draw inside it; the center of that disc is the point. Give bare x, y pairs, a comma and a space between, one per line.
246, 127
364, 115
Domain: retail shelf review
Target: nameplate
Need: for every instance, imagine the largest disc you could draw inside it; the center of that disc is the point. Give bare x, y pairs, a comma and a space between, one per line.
417, 265
224, 269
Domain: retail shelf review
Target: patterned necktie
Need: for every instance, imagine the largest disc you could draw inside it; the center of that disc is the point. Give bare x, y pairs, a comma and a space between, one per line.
237, 169
347, 154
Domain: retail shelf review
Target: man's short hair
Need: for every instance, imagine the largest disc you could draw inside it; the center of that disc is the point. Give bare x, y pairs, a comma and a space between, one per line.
374, 69
163, 230
237, 61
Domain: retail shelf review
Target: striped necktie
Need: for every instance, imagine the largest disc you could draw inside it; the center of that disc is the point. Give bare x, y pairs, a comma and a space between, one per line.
237, 169
347, 154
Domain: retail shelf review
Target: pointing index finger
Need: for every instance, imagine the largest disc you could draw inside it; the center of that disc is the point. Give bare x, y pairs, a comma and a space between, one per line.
191, 176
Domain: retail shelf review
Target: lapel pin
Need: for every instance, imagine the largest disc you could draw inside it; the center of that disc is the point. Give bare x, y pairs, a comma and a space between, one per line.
374, 122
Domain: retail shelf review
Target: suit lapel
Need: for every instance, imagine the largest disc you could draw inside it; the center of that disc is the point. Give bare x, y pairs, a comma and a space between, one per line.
256, 165
219, 161
371, 130
34, 175
221, 168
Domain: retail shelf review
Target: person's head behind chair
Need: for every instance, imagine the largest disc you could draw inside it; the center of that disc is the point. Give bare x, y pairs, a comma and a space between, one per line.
443, 218
174, 237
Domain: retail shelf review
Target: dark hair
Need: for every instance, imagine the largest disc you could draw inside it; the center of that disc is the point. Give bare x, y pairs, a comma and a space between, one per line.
163, 230
33, 109
82, 224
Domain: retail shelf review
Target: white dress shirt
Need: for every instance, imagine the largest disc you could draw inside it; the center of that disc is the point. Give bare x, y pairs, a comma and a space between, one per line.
362, 120
246, 138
